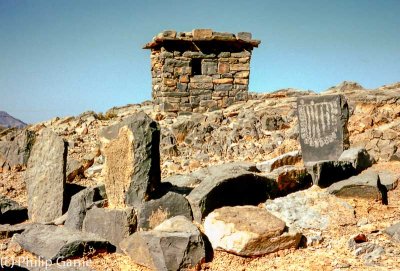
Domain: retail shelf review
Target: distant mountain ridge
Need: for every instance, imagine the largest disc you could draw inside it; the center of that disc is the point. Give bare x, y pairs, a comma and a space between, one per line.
8, 121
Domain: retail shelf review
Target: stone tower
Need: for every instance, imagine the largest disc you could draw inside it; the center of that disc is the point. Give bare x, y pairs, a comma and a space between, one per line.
200, 70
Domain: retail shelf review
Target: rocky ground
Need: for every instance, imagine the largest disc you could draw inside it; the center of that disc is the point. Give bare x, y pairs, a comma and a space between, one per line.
254, 131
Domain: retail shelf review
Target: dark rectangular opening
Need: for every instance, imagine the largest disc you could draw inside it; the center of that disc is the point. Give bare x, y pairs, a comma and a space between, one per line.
196, 66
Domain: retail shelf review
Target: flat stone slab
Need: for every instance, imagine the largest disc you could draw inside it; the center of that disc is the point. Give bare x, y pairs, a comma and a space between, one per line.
11, 212
248, 231
311, 209
394, 232
323, 126
358, 157
176, 244
369, 185
45, 177
286, 159
7, 231
56, 243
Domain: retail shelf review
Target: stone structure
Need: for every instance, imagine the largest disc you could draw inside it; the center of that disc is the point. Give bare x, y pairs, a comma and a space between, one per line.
200, 70
323, 127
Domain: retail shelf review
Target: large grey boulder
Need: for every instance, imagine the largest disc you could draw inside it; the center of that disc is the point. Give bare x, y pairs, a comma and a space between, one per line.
358, 157
56, 243
132, 160
369, 184
11, 212
81, 202
228, 185
17, 148
45, 177
312, 209
176, 244
248, 231
110, 224
154, 212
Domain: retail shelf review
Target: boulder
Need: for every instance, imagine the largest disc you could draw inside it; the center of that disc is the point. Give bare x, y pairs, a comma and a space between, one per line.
394, 232
154, 212
56, 243
110, 224
175, 244
366, 185
289, 158
81, 202
228, 185
132, 160
11, 212
16, 150
312, 209
325, 173
248, 231
358, 157
45, 177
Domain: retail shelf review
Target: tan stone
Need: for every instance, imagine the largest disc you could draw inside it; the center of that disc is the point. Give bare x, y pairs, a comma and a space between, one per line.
118, 168
169, 82
202, 34
184, 79
242, 74
241, 81
240, 67
223, 67
223, 81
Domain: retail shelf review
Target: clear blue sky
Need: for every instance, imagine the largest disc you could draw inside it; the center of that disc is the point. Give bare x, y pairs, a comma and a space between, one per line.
63, 57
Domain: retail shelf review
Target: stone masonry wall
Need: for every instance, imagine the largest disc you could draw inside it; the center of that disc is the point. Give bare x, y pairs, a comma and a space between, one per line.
223, 80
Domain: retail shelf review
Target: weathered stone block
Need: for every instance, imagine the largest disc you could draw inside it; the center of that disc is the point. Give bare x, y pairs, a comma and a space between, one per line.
169, 82
202, 34
223, 87
45, 177
208, 103
184, 79
201, 85
241, 81
246, 36
240, 67
182, 71
242, 74
241, 54
224, 54
132, 160
209, 67
201, 79
223, 81
223, 67
323, 126
182, 87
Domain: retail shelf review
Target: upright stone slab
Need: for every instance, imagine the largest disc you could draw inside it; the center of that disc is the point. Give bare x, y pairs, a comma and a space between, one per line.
45, 177
323, 127
132, 160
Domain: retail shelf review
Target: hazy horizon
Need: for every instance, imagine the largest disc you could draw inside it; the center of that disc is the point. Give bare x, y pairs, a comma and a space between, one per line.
65, 57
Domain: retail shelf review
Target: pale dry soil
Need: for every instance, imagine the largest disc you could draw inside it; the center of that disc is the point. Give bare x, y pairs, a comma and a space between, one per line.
331, 254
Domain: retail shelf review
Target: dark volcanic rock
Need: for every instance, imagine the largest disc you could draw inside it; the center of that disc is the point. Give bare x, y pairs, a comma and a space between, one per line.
112, 225
153, 212
325, 173
45, 177
132, 160
81, 202
11, 212
323, 127
359, 158
59, 243
229, 185
176, 244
